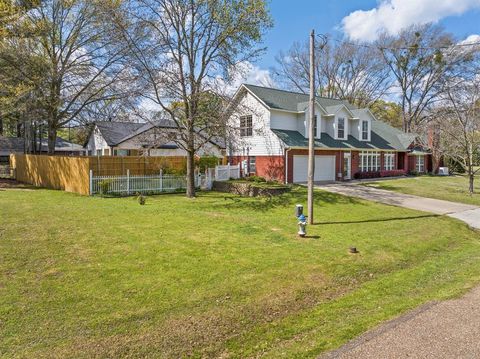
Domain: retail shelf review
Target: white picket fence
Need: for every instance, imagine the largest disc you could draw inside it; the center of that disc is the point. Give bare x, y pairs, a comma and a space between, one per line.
224, 173
161, 183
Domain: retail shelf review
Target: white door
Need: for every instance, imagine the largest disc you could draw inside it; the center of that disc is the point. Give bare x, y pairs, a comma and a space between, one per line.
324, 168
347, 166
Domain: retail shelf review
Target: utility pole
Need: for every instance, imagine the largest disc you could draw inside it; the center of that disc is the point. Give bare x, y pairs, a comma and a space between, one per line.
311, 132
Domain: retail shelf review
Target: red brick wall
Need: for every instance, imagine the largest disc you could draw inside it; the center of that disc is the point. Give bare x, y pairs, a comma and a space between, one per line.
270, 167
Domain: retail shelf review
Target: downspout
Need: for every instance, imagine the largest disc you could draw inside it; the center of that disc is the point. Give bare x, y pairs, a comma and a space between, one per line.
286, 165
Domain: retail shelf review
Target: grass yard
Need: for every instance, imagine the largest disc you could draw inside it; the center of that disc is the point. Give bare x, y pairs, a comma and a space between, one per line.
451, 188
218, 276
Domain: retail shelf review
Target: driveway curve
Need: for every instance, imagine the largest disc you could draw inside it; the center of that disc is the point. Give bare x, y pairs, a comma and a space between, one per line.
467, 213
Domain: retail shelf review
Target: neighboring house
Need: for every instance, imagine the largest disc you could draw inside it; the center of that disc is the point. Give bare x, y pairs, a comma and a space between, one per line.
109, 138
9, 145
272, 138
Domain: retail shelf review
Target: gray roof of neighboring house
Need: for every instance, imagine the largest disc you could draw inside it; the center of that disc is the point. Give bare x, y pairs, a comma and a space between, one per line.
291, 101
16, 144
11, 144
115, 133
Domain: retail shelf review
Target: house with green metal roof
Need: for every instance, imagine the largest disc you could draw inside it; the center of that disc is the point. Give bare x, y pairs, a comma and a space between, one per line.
271, 139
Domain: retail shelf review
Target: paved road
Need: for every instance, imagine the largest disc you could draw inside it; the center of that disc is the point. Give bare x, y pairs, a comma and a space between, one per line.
468, 213
449, 329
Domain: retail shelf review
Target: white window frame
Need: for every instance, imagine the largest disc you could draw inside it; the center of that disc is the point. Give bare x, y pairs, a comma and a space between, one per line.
246, 130
389, 161
345, 128
252, 164
361, 130
420, 164
369, 161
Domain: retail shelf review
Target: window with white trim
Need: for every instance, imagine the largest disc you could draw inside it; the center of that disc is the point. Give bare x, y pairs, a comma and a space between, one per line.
315, 127
341, 128
365, 130
369, 161
389, 161
420, 163
252, 164
246, 126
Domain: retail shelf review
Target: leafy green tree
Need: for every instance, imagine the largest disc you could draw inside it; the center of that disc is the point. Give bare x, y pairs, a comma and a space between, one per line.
389, 112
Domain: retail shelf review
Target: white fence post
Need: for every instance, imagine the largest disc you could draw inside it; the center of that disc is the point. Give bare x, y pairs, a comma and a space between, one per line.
91, 182
161, 180
128, 182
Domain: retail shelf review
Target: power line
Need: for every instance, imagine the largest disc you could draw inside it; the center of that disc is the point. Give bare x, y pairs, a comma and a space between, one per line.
378, 47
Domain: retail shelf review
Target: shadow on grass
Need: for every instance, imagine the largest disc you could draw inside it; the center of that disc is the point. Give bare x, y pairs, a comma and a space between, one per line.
298, 195
378, 220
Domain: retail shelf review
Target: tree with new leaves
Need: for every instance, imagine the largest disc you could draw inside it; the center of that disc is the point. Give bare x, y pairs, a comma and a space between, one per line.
181, 48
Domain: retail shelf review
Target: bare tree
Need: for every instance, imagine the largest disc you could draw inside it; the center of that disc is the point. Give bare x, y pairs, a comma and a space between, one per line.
344, 70
458, 119
83, 59
419, 59
180, 47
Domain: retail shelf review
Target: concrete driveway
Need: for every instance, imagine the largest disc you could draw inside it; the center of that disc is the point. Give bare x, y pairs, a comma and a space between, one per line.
467, 213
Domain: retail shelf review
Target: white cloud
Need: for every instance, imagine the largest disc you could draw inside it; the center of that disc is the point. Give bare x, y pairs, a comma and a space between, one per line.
471, 39
245, 72
394, 15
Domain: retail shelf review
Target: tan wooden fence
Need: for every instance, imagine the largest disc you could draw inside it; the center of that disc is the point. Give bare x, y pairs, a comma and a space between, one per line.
72, 174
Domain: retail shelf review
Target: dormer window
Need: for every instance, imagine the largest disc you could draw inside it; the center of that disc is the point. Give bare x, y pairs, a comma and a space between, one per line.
364, 130
341, 128
246, 126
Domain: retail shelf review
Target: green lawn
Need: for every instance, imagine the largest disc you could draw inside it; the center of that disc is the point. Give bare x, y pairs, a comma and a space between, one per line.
451, 188
218, 276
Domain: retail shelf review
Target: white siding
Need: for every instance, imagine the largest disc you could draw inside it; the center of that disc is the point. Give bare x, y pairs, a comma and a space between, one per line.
96, 142
283, 120
263, 142
355, 128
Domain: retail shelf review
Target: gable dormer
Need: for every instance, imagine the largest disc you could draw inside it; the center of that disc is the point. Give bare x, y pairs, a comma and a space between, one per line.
363, 126
341, 121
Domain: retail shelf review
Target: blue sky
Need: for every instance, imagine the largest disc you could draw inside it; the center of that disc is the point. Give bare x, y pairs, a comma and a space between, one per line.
295, 18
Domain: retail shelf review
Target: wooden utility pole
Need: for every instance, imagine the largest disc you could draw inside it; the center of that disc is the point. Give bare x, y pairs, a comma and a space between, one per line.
311, 131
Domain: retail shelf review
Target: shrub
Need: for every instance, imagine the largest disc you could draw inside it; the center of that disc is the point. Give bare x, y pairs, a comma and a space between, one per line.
104, 186
257, 179
207, 162
366, 175
392, 173
379, 174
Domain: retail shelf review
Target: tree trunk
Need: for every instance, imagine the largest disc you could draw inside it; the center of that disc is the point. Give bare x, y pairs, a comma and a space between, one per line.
471, 177
190, 174
52, 139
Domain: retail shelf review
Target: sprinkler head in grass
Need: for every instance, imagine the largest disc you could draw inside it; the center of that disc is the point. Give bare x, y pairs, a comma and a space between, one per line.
353, 250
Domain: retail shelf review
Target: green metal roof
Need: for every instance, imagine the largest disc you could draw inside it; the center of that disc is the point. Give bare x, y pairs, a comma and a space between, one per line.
383, 137
291, 101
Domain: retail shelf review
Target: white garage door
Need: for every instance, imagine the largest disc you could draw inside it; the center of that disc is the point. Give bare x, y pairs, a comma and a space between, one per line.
324, 168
